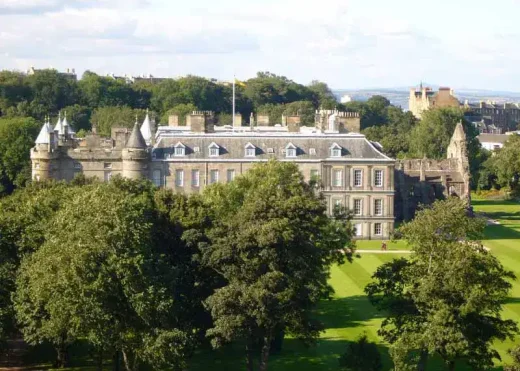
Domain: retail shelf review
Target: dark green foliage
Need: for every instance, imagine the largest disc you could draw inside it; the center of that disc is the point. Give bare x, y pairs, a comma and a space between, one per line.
361, 355
395, 135
503, 169
515, 354
445, 300
17, 137
106, 118
272, 244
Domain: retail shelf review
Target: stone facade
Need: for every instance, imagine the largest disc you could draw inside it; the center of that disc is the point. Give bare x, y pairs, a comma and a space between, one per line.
350, 170
422, 181
425, 98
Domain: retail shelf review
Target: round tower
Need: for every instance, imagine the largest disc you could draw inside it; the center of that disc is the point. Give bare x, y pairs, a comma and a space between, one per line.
44, 157
135, 155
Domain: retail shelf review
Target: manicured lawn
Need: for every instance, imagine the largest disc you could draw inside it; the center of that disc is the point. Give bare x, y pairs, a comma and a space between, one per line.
376, 245
350, 314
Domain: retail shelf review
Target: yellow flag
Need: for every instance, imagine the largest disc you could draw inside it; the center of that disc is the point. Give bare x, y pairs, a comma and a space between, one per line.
241, 83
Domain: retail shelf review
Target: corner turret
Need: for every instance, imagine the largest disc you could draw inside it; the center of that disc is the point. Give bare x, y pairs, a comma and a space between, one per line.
135, 155
44, 154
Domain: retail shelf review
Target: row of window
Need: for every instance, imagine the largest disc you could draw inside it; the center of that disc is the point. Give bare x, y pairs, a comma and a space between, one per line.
214, 176
337, 178
250, 150
358, 206
378, 229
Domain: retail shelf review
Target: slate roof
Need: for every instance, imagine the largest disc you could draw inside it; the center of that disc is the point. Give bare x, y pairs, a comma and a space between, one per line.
136, 139
44, 135
269, 145
493, 138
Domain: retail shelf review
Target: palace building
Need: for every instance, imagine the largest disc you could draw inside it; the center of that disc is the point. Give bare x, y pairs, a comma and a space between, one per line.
351, 171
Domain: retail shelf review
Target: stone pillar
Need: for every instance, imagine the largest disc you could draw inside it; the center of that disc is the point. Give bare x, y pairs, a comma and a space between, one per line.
369, 178
347, 177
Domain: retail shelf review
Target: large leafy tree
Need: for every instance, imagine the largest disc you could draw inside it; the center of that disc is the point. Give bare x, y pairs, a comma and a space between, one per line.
106, 118
361, 355
431, 136
116, 273
51, 91
17, 136
446, 299
504, 167
25, 218
273, 245
99, 91
13, 90
395, 135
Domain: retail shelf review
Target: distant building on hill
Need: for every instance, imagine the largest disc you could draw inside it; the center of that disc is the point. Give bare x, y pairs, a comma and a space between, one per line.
425, 98
69, 73
504, 116
349, 170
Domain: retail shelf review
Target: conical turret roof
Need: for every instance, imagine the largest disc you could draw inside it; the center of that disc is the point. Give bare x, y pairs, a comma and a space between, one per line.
136, 139
66, 123
44, 135
59, 126
146, 129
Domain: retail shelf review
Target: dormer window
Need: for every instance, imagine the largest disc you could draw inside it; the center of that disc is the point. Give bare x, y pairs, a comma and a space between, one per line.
290, 150
335, 150
179, 150
250, 150
214, 150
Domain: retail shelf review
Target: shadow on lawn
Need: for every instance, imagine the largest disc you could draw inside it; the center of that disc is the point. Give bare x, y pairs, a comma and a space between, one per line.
352, 311
493, 202
500, 232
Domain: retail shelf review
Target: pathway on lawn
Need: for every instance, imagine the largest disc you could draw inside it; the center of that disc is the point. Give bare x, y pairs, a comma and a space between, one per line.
384, 251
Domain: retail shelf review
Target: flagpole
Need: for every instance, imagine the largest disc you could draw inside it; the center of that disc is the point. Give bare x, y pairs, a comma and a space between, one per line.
233, 102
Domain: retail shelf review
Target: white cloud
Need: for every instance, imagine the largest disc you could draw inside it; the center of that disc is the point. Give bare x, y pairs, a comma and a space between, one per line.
348, 43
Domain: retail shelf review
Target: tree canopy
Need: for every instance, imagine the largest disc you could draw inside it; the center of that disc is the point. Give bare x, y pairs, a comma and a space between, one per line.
273, 244
446, 299
17, 136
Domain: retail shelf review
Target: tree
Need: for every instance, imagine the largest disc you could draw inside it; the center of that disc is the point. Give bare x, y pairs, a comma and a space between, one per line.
373, 112
272, 244
181, 110
304, 109
361, 355
97, 91
116, 273
505, 165
447, 298
13, 90
431, 136
322, 95
25, 217
394, 136
52, 91
515, 354
78, 117
106, 118
17, 136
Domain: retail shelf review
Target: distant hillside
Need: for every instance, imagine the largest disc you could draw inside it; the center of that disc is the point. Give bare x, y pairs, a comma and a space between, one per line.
399, 96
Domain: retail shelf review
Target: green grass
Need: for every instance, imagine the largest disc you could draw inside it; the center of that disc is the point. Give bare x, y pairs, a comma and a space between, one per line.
350, 314
376, 245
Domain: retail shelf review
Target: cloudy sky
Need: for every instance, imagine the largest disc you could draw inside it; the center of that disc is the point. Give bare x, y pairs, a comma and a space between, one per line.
347, 43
